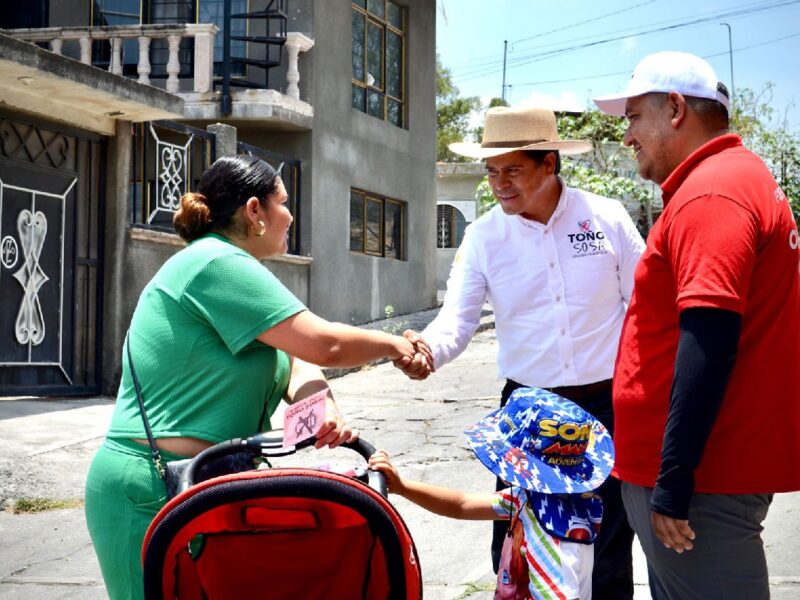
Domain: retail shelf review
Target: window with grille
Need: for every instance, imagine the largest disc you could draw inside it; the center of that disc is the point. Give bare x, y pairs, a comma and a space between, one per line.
450, 226
379, 59
377, 225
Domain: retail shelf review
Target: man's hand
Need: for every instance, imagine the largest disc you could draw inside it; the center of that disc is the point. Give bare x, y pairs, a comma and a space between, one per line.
422, 364
673, 533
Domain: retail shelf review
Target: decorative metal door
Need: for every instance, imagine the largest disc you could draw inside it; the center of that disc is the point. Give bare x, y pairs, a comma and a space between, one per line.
50, 277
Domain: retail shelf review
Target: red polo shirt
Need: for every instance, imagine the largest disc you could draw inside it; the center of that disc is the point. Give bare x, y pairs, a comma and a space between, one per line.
726, 239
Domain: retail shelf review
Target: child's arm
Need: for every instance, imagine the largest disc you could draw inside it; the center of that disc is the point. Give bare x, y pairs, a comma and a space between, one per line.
443, 501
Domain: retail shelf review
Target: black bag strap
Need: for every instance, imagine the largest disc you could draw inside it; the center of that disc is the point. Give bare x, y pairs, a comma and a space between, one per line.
157, 461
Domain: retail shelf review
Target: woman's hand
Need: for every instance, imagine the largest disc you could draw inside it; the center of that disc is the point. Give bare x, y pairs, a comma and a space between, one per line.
307, 379
421, 365
334, 431
403, 349
380, 462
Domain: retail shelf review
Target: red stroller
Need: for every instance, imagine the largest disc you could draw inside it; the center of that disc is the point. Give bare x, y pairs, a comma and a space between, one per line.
279, 533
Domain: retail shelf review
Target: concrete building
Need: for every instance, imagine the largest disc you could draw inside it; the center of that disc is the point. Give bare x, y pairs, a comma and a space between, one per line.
456, 207
111, 109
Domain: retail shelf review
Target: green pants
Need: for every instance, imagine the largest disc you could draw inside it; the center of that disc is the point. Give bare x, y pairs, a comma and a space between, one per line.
123, 494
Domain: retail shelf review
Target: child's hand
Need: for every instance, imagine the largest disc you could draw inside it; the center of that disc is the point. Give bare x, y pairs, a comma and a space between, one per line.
380, 462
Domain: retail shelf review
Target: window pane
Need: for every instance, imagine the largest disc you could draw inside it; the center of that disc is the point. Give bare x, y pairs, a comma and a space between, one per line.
116, 12
171, 11
375, 104
213, 11
374, 220
461, 227
356, 222
394, 64
393, 230
359, 98
376, 7
361, 3
358, 45
375, 55
394, 112
396, 16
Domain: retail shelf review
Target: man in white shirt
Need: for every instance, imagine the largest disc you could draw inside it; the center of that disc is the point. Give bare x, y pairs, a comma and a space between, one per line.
557, 265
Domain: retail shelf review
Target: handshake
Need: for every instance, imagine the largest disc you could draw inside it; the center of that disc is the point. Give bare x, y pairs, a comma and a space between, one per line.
420, 365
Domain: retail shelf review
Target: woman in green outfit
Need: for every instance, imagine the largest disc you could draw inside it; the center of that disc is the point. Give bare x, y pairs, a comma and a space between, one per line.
216, 341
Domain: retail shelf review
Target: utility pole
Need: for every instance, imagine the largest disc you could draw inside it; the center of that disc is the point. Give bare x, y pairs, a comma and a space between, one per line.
505, 52
730, 56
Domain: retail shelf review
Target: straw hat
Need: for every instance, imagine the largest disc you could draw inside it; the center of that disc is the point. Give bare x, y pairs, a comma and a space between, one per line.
510, 129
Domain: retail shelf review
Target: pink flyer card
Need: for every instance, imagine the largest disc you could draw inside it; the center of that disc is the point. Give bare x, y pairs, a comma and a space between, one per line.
304, 418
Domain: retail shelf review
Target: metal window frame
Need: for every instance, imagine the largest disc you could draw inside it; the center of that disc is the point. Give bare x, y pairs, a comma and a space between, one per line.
383, 200
139, 218
402, 237
363, 220
379, 201
293, 187
386, 26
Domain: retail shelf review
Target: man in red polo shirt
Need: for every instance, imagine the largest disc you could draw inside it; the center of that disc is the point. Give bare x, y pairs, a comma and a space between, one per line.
707, 378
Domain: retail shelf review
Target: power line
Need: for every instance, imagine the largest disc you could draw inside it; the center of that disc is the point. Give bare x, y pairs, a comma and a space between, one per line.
587, 21
628, 71
493, 58
489, 68
526, 59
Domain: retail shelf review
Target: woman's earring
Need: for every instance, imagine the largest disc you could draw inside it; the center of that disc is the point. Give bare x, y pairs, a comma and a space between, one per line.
263, 229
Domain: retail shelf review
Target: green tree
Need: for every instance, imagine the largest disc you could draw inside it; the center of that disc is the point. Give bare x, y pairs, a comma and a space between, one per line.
610, 168
452, 115
767, 133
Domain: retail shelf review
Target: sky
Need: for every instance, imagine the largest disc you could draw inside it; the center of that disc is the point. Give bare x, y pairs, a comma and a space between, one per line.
562, 53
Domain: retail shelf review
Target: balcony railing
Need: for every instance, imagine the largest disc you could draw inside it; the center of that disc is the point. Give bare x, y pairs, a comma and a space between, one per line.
59, 40
202, 33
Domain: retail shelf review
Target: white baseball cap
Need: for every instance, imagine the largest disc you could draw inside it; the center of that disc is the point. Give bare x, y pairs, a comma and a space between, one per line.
667, 72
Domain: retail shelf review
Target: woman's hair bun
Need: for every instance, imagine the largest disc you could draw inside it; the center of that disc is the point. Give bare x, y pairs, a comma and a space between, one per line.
193, 219
224, 188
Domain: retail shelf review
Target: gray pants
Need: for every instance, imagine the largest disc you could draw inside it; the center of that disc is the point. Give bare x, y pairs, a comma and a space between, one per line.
727, 561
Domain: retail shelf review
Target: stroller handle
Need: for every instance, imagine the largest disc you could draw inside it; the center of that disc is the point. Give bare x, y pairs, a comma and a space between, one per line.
270, 443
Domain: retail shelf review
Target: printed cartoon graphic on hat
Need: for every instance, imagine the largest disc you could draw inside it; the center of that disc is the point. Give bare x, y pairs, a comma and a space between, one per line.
544, 443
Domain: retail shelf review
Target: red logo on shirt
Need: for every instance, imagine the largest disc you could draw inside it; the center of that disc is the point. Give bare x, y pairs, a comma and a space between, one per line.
585, 226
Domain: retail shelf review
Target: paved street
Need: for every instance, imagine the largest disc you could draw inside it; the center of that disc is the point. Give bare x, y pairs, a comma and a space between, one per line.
46, 445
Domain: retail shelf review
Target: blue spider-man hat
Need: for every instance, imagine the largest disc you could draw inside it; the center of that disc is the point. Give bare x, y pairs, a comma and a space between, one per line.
544, 443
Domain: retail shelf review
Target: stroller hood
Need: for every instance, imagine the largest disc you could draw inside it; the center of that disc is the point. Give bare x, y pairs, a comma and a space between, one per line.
280, 533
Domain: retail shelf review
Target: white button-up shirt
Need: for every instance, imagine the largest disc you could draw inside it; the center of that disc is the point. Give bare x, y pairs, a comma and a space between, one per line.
559, 290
